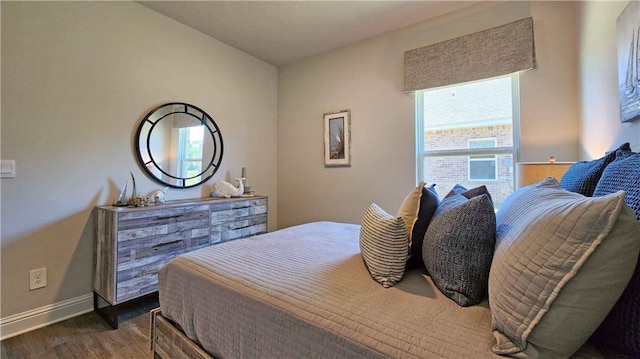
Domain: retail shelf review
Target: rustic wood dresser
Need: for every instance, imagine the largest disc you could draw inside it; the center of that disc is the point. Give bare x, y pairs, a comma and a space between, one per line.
132, 243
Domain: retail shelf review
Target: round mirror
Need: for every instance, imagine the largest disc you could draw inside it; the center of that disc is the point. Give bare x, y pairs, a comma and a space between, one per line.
179, 145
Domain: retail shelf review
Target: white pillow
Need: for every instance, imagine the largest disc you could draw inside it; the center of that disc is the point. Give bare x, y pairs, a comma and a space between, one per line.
561, 262
383, 243
410, 207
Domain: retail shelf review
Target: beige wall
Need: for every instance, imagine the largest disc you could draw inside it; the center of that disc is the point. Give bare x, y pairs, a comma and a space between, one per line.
367, 78
549, 95
77, 77
601, 129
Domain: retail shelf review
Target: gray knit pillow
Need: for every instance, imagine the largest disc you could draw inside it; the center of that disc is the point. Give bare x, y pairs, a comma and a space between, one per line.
458, 247
384, 245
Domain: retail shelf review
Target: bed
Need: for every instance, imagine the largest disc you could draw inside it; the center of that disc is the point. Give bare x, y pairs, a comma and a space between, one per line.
304, 292
561, 271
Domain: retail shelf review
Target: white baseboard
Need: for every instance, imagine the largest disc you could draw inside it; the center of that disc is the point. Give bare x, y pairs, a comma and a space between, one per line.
40, 317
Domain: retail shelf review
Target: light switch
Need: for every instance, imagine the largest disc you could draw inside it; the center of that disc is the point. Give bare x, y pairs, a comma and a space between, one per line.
7, 168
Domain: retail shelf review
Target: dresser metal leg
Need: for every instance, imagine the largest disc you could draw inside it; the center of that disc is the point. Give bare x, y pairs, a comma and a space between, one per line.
109, 312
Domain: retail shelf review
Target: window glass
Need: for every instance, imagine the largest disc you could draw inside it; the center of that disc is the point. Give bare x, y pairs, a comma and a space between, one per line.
467, 135
482, 167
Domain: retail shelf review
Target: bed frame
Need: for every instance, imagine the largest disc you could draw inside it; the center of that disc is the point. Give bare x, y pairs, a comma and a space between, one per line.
169, 342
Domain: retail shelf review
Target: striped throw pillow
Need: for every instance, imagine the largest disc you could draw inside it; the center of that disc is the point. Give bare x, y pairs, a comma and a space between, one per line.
384, 245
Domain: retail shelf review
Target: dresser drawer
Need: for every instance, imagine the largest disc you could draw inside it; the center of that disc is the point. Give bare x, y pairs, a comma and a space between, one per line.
239, 219
222, 232
228, 211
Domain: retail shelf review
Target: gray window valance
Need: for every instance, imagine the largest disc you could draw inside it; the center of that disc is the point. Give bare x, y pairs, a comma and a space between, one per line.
494, 52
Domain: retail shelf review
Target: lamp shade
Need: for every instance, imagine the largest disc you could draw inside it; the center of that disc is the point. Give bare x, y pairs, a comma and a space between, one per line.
531, 172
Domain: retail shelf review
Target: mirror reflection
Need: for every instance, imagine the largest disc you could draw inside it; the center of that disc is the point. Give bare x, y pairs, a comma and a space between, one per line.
179, 145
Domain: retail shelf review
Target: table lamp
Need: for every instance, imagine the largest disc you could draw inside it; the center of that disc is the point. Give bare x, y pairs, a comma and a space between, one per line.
531, 172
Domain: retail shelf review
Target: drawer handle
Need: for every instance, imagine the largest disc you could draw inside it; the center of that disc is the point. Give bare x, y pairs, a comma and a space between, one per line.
158, 246
168, 217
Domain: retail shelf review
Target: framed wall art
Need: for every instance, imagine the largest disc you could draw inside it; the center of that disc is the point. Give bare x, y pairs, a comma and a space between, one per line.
628, 39
337, 139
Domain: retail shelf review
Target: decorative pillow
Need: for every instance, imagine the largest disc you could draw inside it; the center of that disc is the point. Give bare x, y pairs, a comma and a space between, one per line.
561, 262
582, 177
622, 154
418, 221
469, 193
383, 243
409, 208
621, 328
458, 247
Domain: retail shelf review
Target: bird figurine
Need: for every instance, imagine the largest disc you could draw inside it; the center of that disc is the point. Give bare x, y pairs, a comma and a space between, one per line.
160, 196
227, 190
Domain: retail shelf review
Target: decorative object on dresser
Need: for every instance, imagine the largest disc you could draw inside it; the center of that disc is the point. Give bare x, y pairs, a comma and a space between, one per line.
159, 196
135, 200
179, 145
122, 197
337, 139
132, 243
245, 183
227, 190
531, 172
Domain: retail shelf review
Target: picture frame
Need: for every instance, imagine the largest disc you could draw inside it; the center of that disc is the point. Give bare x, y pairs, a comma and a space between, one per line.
337, 139
628, 43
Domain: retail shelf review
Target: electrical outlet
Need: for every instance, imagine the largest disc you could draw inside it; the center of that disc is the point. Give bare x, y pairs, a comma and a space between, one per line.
37, 278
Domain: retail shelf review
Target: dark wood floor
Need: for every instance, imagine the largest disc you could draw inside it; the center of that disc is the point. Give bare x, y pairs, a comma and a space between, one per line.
87, 336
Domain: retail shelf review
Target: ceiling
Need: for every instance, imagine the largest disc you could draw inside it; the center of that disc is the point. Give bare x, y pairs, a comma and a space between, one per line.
282, 32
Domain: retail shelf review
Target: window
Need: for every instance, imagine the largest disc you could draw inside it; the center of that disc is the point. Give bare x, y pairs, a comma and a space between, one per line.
468, 134
482, 167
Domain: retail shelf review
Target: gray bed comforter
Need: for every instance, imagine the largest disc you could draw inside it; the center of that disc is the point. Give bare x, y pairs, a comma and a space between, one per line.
304, 292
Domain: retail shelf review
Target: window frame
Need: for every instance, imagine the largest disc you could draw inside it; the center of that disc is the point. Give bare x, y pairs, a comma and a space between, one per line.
514, 150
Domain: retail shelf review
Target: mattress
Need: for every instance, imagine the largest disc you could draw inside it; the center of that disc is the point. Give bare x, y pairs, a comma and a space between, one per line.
304, 292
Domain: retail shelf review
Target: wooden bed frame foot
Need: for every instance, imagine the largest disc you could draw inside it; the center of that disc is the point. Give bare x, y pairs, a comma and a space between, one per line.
167, 341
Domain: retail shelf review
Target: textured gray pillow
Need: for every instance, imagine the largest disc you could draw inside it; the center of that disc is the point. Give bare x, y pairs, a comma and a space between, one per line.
458, 247
561, 262
384, 247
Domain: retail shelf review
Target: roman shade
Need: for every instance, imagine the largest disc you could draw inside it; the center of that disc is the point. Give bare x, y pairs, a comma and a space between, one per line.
494, 52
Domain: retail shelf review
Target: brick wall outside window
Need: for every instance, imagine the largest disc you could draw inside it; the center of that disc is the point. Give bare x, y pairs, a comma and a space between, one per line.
445, 172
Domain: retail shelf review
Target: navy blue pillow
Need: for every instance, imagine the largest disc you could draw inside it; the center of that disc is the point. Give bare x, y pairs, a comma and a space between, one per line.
622, 154
622, 174
429, 201
621, 329
582, 177
469, 193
